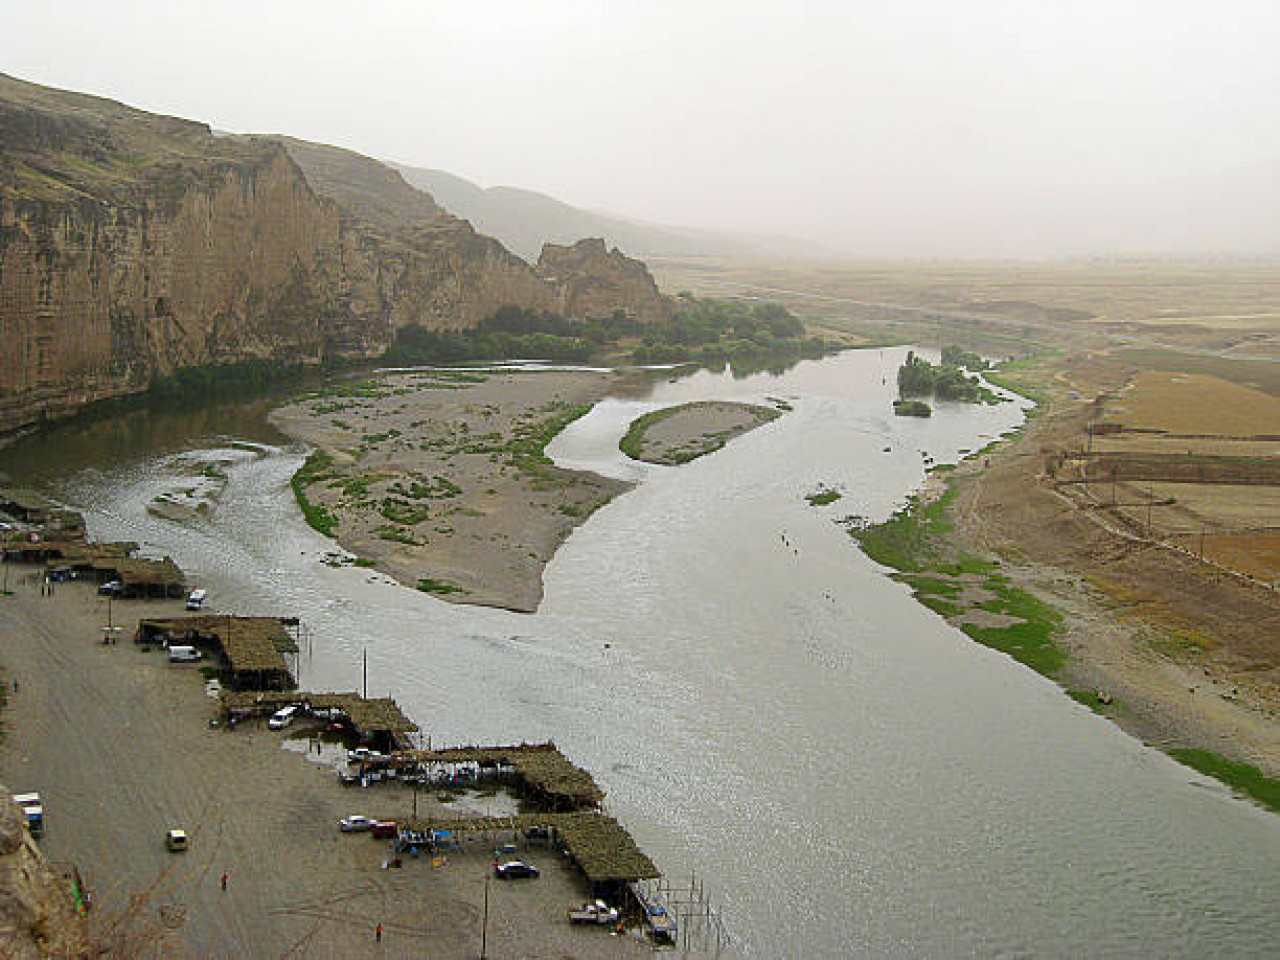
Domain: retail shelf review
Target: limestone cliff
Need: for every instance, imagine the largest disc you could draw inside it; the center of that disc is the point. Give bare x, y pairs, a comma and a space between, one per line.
593, 281
133, 244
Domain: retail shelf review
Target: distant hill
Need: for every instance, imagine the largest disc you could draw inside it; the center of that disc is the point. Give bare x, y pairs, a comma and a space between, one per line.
524, 220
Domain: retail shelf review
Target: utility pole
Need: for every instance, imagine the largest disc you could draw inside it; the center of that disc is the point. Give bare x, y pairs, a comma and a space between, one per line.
484, 925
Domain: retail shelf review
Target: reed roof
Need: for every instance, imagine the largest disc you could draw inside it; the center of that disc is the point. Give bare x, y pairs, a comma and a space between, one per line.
249, 643
541, 765
368, 715
597, 843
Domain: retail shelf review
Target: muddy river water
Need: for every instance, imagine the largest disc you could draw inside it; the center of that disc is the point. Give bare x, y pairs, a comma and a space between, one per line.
846, 774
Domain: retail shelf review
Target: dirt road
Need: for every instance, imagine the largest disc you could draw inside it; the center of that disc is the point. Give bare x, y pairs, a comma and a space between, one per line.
118, 743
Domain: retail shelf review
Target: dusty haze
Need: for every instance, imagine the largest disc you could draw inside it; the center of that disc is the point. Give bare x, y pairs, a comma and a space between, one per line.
928, 128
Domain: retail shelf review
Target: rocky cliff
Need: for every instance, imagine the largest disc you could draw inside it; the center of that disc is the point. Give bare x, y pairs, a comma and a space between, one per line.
593, 281
37, 916
133, 244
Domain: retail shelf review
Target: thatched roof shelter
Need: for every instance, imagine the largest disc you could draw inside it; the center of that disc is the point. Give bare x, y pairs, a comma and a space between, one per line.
138, 576
598, 844
253, 647
547, 772
377, 718
20, 549
603, 850
89, 553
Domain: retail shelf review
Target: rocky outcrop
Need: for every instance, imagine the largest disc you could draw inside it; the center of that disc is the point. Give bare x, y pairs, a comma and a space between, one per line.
133, 244
37, 916
593, 281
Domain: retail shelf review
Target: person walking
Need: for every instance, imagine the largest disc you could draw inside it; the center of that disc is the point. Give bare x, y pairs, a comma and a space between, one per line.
377, 933
224, 883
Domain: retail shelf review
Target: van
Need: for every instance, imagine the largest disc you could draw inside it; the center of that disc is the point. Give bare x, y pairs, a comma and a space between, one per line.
196, 598
32, 810
181, 654
282, 717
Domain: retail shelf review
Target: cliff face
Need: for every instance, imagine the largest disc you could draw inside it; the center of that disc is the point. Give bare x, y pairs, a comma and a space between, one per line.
408, 257
37, 917
133, 244
593, 281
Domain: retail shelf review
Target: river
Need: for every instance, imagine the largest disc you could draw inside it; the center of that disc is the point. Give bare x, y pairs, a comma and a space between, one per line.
846, 774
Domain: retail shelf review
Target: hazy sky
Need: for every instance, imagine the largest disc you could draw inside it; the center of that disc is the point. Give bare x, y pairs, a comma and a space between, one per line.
901, 127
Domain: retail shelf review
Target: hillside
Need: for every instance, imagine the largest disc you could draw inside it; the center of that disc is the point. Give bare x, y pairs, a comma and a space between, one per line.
132, 245
525, 220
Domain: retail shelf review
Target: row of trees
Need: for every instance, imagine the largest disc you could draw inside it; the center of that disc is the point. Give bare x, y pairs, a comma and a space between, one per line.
712, 331
702, 331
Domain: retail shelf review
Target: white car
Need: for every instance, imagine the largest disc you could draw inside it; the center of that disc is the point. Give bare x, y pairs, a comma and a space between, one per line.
282, 718
355, 823
362, 754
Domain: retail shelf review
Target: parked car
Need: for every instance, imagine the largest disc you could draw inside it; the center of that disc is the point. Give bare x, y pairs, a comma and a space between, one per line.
196, 598
356, 823
282, 717
362, 755
175, 841
597, 912
514, 870
112, 588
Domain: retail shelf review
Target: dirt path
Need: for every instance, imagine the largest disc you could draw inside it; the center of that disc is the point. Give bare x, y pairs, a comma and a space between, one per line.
118, 744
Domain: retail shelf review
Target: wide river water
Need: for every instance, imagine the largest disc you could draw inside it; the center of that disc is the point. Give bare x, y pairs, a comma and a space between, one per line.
846, 774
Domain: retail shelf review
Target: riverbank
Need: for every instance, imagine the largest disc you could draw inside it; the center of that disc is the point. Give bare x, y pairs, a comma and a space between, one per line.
993, 547
119, 745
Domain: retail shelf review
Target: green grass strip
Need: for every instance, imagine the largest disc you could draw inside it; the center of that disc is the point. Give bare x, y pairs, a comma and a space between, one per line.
1244, 777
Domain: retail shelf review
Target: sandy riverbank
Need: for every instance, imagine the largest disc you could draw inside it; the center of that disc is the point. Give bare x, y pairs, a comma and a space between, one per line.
677, 435
439, 478
118, 744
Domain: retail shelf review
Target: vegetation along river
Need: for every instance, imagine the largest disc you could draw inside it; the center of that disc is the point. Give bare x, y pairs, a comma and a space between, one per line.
847, 774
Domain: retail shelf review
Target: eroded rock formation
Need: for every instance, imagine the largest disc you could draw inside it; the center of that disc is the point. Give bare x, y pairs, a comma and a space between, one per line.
592, 281
133, 244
